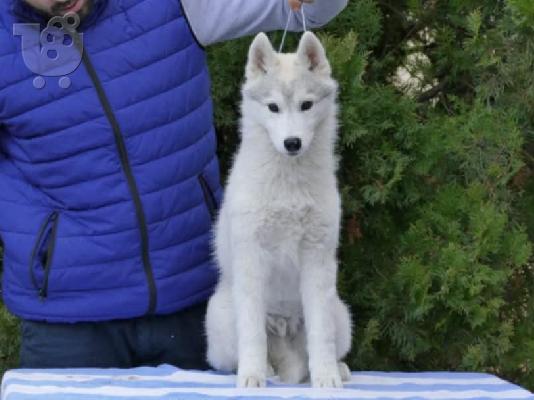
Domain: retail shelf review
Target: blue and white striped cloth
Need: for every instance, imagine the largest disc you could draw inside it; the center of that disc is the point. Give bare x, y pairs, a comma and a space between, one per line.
166, 383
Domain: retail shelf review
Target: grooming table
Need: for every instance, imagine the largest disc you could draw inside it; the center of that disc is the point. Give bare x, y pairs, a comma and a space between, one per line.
166, 383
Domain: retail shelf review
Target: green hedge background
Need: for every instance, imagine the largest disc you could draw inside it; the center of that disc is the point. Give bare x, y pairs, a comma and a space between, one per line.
437, 163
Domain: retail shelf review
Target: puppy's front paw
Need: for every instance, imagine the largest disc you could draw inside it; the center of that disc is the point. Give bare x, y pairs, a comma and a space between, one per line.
326, 379
250, 380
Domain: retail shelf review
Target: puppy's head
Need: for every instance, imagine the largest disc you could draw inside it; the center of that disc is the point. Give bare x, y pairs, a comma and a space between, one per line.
288, 95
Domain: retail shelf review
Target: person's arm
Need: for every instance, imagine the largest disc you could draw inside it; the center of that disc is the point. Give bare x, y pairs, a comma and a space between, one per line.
217, 20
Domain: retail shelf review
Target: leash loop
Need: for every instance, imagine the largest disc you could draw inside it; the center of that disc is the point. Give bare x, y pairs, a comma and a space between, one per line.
289, 15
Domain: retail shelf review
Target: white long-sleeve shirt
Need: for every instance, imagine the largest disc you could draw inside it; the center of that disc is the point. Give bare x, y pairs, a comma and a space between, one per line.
218, 20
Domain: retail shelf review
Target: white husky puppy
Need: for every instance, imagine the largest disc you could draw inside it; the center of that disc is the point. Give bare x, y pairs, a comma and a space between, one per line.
276, 304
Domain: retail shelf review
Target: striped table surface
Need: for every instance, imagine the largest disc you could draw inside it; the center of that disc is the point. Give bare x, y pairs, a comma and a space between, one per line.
166, 382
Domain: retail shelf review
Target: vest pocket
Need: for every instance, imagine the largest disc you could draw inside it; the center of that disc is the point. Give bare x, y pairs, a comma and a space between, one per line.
43, 253
209, 197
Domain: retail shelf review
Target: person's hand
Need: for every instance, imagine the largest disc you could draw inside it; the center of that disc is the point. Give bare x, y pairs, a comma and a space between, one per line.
296, 4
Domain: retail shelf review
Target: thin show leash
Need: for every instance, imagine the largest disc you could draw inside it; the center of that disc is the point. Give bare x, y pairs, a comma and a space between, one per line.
290, 14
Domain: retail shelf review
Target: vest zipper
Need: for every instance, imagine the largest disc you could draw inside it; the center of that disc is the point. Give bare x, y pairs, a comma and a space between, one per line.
50, 222
43, 292
209, 197
125, 163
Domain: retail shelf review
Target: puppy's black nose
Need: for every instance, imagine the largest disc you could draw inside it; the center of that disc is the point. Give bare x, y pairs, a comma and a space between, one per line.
293, 144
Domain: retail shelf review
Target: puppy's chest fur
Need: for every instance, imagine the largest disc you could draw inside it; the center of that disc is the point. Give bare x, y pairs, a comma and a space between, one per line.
282, 244
286, 226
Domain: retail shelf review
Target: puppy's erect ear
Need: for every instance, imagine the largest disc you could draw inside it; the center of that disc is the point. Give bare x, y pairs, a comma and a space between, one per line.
261, 56
312, 54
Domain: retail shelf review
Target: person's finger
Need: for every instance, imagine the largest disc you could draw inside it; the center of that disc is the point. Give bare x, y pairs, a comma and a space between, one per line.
296, 4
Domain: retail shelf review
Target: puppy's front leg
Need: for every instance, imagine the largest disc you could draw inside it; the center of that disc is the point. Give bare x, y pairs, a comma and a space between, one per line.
318, 290
250, 277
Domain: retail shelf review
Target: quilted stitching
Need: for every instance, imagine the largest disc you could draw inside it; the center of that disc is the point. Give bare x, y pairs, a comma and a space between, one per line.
139, 83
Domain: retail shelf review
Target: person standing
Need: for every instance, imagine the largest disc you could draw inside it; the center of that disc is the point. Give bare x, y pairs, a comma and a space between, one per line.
109, 179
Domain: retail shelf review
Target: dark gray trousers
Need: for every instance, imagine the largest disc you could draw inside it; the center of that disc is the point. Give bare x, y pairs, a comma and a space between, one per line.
177, 339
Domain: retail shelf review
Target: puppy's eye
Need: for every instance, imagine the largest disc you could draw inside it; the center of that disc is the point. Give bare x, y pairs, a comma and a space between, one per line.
305, 106
274, 107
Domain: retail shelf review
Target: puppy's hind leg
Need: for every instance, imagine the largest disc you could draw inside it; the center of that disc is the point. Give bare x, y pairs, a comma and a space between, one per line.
221, 330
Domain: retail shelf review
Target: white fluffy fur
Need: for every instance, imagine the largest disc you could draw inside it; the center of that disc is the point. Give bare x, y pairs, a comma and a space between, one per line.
276, 304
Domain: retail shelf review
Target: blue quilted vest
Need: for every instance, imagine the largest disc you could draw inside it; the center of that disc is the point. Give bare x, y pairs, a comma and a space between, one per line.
108, 187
